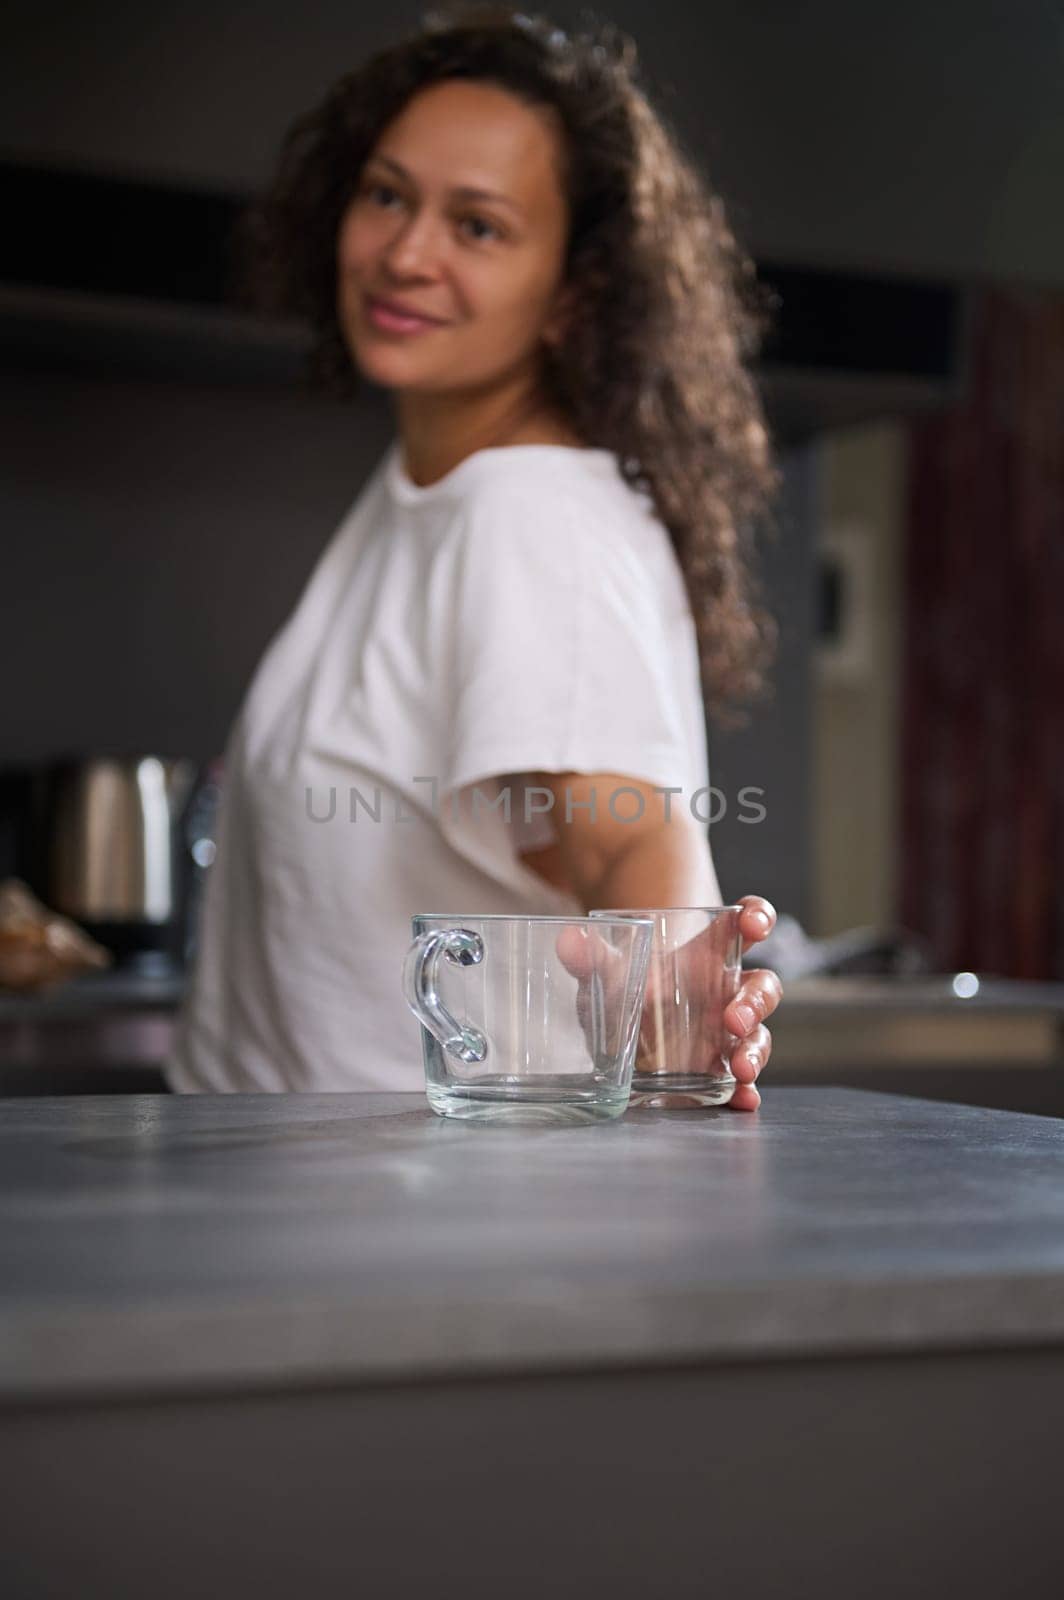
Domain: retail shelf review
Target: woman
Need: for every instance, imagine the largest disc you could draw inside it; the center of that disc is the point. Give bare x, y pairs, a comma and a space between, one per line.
489, 695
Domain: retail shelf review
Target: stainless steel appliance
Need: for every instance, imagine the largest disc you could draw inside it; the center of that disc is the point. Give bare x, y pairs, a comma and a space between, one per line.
115, 860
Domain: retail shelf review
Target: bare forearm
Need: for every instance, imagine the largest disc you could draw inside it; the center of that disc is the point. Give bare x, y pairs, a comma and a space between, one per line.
671, 866
660, 858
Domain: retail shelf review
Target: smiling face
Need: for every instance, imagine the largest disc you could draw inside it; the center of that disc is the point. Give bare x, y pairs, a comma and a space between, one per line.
487, 265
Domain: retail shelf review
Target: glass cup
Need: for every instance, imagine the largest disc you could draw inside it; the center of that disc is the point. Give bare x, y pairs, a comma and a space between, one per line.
683, 1052
528, 1018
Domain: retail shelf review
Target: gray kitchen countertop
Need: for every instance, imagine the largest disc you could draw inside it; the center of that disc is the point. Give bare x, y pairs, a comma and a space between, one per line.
94, 994
157, 1243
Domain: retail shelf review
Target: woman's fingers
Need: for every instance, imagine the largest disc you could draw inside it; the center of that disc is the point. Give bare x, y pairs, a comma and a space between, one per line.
745, 1066
756, 920
583, 952
575, 952
758, 995
706, 958
749, 1055
587, 957
745, 1098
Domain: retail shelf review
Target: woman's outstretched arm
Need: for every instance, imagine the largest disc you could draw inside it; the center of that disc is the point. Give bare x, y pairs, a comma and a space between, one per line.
622, 842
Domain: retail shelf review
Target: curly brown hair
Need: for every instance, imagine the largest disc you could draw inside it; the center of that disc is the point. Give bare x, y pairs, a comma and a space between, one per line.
655, 369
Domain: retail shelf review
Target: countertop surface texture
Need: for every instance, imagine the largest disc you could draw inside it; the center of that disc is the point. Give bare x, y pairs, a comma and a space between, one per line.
160, 1243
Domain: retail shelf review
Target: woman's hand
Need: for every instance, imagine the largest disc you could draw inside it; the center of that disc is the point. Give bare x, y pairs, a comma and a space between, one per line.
660, 859
742, 1019
760, 992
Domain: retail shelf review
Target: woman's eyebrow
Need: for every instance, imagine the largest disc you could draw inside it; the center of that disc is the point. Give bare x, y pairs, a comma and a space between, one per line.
464, 190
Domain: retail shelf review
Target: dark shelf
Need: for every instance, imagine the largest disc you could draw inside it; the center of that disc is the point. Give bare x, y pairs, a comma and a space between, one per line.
107, 275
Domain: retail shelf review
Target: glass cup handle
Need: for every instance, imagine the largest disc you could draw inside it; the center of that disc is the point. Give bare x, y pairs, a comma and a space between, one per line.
420, 988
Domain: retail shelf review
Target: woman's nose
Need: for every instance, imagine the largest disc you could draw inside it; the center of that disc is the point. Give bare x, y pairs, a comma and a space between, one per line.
415, 247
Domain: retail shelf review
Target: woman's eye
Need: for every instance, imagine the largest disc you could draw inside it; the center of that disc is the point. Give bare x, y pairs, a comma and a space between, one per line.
377, 188
482, 223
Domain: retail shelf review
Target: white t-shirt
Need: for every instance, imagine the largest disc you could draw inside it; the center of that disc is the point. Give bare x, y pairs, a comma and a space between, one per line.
525, 612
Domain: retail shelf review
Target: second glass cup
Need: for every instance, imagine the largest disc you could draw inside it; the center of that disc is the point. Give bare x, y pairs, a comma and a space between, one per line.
682, 1057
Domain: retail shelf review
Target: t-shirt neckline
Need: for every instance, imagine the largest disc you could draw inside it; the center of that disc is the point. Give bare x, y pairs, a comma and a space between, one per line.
405, 490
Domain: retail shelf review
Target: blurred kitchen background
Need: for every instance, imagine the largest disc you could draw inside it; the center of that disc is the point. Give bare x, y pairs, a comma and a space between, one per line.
167, 481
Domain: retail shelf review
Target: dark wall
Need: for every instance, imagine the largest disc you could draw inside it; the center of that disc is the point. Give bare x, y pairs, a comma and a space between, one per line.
771, 855
155, 536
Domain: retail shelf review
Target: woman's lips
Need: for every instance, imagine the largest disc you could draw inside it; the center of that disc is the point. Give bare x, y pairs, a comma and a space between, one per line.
393, 321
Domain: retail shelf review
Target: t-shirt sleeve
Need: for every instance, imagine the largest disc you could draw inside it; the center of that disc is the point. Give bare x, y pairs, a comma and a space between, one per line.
563, 651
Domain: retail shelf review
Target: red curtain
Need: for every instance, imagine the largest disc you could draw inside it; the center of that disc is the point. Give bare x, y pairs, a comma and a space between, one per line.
983, 694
